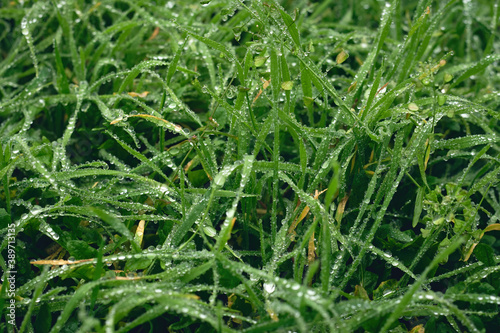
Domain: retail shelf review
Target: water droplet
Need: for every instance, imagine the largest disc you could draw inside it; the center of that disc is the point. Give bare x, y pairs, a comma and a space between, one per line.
269, 287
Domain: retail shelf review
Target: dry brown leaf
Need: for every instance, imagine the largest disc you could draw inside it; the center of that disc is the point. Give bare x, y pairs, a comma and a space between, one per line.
154, 34
142, 94
59, 262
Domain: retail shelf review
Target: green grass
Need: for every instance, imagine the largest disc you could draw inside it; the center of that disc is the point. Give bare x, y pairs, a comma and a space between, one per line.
194, 166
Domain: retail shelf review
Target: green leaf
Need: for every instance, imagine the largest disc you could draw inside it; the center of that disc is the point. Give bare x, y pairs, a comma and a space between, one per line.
418, 206
196, 272
157, 121
68, 33
80, 249
37, 293
383, 31
229, 221
409, 294
465, 142
4, 218
172, 67
116, 224
485, 254
275, 74
142, 66
287, 85
475, 69
135, 264
413, 107
43, 321
192, 216
342, 56
292, 29
75, 300
219, 47
333, 185
260, 60
62, 79
385, 288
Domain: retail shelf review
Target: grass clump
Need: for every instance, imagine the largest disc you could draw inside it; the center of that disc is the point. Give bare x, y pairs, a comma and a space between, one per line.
245, 165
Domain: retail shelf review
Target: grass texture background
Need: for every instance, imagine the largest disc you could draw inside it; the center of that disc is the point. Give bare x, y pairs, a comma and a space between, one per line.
255, 166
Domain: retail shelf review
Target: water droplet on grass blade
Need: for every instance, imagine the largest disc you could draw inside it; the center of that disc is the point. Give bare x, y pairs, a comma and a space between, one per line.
219, 180
269, 287
29, 40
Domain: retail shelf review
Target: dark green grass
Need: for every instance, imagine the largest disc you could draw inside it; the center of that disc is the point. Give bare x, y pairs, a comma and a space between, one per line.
178, 145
